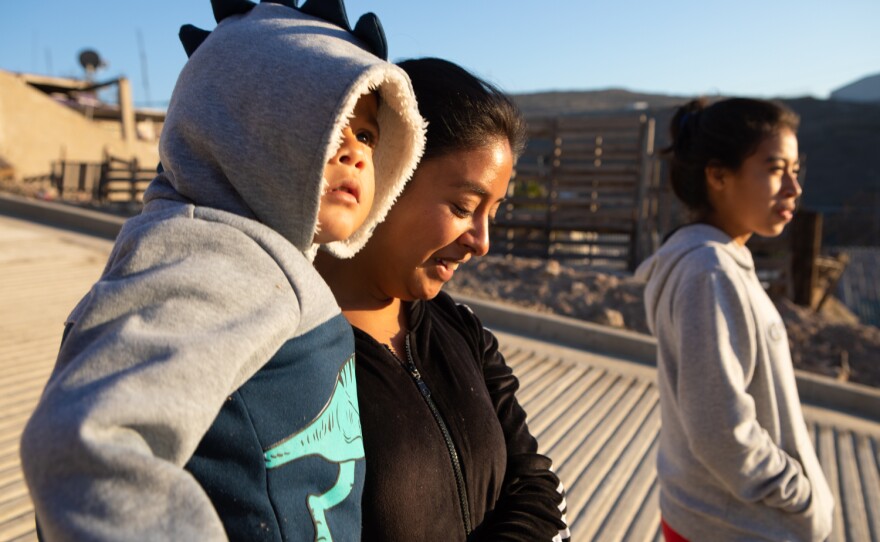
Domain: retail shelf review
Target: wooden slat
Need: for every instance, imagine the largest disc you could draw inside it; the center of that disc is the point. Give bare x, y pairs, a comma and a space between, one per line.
581, 123
573, 168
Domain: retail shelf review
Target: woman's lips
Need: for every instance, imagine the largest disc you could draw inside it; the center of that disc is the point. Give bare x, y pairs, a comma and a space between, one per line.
446, 268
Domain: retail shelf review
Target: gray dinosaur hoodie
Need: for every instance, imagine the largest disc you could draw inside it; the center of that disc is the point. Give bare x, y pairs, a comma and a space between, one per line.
205, 384
735, 461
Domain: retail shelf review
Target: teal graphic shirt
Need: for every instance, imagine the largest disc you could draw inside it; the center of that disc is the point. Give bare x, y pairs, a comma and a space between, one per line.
289, 440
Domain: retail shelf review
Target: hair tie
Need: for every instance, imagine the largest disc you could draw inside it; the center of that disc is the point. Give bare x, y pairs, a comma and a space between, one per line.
683, 120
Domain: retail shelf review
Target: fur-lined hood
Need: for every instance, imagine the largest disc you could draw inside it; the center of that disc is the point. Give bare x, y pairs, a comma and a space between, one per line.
257, 112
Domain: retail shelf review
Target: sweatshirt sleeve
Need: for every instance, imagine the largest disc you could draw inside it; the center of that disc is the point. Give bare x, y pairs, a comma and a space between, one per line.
180, 320
531, 506
715, 343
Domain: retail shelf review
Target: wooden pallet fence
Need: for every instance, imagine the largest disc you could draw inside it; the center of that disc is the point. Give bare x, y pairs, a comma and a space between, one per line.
124, 180
581, 190
73, 180
113, 180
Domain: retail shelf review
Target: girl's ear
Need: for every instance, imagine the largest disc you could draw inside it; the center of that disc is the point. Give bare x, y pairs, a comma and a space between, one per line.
716, 175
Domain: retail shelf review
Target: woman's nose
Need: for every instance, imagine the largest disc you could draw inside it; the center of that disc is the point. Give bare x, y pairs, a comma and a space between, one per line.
478, 237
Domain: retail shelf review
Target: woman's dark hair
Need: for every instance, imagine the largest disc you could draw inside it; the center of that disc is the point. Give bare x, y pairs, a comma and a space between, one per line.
724, 134
463, 111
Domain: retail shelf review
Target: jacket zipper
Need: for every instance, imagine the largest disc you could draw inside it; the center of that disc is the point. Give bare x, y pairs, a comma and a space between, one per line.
410, 366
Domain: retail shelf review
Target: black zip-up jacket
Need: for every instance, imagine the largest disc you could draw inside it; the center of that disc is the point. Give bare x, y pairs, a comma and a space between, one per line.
449, 456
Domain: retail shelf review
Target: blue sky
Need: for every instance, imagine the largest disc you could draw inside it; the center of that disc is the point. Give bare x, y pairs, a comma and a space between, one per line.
684, 47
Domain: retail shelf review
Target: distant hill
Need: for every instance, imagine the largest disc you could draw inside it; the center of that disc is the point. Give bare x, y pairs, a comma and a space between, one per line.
840, 142
866, 89
595, 101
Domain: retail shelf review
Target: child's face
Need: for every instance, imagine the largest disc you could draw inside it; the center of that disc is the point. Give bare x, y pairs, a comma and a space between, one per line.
348, 198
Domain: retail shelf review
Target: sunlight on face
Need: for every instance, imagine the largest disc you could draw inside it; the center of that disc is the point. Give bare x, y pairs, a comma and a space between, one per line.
441, 221
761, 196
350, 177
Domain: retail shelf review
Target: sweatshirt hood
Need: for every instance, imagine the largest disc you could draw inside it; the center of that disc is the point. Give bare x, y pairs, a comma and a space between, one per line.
258, 111
657, 269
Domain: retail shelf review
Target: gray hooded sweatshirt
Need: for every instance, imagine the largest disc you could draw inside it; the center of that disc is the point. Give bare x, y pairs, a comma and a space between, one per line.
735, 461
205, 385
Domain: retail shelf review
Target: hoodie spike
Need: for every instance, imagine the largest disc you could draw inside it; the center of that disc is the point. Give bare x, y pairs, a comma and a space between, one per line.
330, 10
191, 37
370, 31
225, 8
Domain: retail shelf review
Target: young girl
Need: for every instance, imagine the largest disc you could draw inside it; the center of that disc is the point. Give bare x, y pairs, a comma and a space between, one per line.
735, 459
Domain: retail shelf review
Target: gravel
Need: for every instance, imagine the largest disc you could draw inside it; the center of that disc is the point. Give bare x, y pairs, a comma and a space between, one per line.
832, 342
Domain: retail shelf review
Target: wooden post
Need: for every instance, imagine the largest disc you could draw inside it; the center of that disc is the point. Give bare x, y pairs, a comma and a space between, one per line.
133, 172
642, 204
56, 175
552, 188
126, 109
806, 242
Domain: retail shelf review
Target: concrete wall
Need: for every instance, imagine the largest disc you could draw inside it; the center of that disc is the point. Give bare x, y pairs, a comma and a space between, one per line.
35, 130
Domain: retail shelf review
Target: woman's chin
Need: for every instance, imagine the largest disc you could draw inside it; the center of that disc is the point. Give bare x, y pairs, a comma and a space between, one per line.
427, 291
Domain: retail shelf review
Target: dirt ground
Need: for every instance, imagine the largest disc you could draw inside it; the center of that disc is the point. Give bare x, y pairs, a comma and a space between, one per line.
832, 342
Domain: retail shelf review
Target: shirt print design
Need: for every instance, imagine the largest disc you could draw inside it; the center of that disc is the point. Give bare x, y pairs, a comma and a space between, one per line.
334, 435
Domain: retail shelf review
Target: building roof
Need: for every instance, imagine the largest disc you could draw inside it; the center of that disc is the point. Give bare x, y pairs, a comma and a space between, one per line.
78, 94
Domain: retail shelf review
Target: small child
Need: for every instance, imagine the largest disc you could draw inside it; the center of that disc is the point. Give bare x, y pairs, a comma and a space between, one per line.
205, 385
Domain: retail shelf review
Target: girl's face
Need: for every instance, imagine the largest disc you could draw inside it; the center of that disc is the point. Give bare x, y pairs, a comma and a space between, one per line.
760, 197
440, 221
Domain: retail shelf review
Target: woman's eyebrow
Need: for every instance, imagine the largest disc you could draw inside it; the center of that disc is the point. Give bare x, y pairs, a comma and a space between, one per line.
475, 188
471, 186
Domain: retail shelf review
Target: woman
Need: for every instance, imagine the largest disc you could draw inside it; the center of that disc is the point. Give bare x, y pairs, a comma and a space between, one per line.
735, 460
449, 456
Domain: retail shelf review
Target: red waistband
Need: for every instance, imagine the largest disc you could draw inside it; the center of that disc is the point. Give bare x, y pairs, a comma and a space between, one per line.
670, 535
